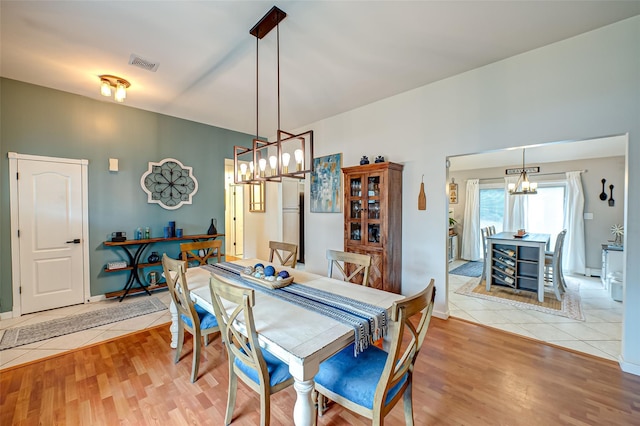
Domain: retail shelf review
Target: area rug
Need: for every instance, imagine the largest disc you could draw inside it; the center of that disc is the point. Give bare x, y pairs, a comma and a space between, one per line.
469, 269
19, 336
569, 307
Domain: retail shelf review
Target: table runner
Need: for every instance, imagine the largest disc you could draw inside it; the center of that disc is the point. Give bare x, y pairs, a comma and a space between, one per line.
369, 322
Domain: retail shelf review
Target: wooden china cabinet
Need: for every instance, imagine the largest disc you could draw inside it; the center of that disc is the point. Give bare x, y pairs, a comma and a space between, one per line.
373, 220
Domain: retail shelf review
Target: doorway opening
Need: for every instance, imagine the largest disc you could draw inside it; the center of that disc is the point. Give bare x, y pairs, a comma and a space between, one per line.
234, 213
596, 158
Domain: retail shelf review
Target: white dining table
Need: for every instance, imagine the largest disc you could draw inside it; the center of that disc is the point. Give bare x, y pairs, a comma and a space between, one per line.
300, 337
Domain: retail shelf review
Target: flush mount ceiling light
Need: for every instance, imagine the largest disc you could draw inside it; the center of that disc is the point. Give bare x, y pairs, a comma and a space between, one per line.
111, 84
250, 164
523, 186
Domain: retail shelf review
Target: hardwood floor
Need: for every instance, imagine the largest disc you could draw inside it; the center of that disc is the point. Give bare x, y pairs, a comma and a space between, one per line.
466, 374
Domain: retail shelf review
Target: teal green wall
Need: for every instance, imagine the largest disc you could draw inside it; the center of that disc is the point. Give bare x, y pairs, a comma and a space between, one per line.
39, 121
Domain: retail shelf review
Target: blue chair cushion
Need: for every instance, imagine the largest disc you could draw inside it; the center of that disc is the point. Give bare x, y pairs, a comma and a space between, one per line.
354, 378
278, 370
207, 319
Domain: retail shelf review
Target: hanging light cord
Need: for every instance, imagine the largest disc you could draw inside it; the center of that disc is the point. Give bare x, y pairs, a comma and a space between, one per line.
278, 62
257, 87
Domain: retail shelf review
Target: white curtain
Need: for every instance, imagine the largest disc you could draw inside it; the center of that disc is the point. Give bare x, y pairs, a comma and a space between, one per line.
515, 208
574, 247
471, 231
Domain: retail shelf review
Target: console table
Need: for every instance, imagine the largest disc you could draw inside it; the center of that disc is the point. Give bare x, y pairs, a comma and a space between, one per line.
517, 262
134, 257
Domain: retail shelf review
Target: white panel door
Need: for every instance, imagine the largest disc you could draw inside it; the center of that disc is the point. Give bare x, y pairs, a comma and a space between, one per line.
50, 224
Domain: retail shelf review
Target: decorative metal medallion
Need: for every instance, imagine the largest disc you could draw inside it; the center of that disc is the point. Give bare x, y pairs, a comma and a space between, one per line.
169, 183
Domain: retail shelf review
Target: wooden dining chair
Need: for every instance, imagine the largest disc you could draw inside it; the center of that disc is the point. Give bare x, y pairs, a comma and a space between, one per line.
344, 261
201, 252
286, 253
553, 267
492, 230
191, 317
373, 382
256, 367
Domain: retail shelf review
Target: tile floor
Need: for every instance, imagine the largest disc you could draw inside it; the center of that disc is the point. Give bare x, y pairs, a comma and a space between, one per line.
598, 335
37, 350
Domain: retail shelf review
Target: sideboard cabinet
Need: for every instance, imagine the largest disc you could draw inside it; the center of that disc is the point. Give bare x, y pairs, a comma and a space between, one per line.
373, 220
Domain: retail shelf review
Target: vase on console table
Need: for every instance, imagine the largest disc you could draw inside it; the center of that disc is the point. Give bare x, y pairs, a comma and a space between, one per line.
212, 228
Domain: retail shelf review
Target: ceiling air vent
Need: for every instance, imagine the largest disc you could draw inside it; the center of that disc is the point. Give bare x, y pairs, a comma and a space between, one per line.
143, 63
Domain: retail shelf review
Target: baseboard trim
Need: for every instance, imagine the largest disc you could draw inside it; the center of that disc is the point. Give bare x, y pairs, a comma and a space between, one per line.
441, 315
628, 367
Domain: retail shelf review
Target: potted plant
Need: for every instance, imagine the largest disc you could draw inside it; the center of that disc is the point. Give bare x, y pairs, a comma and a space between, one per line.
452, 224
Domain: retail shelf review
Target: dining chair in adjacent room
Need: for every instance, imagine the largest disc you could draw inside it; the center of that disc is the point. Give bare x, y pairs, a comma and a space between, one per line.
286, 253
191, 317
353, 267
201, 252
553, 266
484, 233
256, 367
374, 381
492, 229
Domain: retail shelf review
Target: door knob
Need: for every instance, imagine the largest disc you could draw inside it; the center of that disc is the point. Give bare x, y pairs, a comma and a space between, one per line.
76, 241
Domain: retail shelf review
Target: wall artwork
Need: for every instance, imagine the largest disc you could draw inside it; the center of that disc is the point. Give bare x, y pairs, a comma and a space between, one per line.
169, 183
326, 184
453, 193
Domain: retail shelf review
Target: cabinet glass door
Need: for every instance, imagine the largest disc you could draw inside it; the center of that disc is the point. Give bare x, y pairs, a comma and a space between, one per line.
373, 186
357, 208
355, 231
356, 187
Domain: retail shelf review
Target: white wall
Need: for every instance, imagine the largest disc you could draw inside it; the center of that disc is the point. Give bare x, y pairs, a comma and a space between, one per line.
581, 88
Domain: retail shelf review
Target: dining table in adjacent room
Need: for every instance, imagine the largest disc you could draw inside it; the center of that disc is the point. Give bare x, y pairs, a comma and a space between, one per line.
517, 261
303, 337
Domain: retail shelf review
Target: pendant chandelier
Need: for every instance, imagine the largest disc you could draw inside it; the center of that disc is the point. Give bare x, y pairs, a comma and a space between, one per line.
523, 186
270, 161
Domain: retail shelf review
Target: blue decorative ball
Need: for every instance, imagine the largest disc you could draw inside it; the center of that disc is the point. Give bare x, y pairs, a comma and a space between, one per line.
283, 274
269, 271
258, 265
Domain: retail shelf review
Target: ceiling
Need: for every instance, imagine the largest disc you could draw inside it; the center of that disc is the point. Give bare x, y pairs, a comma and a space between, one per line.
334, 55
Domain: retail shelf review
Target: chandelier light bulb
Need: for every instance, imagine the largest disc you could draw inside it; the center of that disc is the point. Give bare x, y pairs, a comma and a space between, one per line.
243, 170
285, 162
298, 154
273, 163
262, 163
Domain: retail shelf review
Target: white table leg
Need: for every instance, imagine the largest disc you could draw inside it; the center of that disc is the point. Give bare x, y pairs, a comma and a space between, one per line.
173, 328
303, 410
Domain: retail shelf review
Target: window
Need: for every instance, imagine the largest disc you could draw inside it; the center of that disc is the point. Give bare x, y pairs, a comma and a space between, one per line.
491, 205
545, 210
